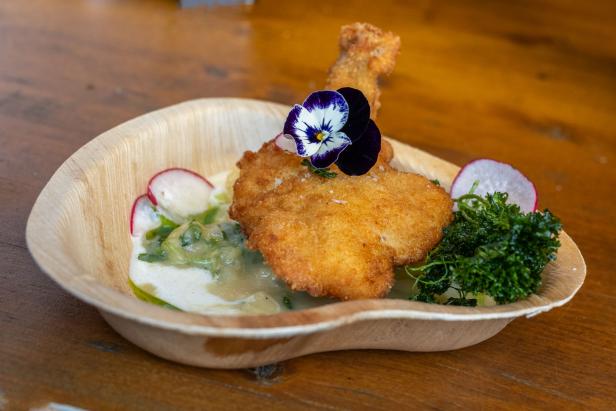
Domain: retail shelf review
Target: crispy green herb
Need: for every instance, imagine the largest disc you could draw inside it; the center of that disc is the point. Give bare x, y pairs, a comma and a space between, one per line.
321, 172
491, 248
287, 302
149, 298
435, 182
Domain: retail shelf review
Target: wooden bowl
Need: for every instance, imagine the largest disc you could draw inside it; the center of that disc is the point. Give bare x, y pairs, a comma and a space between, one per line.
78, 234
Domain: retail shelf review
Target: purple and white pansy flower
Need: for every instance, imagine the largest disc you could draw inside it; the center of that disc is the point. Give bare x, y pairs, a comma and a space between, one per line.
315, 126
334, 127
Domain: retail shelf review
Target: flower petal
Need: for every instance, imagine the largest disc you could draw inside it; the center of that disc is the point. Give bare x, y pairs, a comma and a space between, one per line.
359, 112
286, 143
330, 149
329, 108
303, 127
359, 158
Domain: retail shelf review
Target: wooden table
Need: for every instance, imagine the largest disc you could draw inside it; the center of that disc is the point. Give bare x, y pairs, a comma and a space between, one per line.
527, 83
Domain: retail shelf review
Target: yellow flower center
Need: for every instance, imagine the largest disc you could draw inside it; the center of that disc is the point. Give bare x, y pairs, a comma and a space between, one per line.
320, 136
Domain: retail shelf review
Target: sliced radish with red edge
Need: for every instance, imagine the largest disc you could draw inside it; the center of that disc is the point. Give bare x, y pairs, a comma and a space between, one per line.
179, 193
143, 217
493, 176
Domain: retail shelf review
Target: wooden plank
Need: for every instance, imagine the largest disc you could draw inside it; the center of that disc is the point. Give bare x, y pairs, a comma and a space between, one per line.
531, 83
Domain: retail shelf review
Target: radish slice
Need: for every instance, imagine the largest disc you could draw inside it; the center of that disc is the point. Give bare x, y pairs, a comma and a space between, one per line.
179, 193
495, 176
286, 143
143, 217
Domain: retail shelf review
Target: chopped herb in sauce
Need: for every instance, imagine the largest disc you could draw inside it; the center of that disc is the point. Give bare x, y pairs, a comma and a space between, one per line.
208, 216
191, 235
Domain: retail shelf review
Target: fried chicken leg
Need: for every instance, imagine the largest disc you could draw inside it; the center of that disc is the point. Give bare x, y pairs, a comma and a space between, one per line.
366, 53
340, 237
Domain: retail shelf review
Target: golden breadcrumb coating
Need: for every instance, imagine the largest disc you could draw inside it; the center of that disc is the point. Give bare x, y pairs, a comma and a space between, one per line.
366, 53
262, 171
338, 237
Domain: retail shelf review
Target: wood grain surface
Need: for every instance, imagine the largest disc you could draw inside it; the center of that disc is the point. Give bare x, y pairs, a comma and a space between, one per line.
531, 83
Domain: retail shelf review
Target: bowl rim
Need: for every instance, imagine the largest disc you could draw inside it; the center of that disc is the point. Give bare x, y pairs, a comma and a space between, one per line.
311, 320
